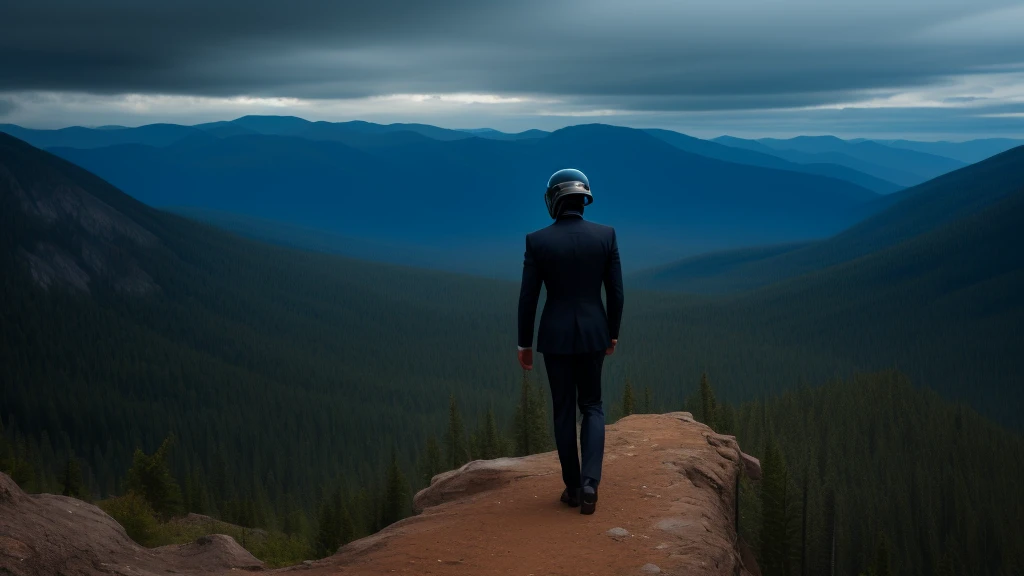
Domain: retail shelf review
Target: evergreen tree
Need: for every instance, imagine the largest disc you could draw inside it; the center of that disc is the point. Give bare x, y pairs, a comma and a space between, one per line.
21, 469
707, 402
197, 493
882, 565
346, 528
395, 493
777, 526
6, 455
540, 433
325, 543
647, 408
490, 444
627, 399
150, 477
430, 461
73, 479
455, 438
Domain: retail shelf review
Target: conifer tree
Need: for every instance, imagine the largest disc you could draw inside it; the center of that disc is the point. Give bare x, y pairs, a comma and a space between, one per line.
522, 420
325, 543
455, 438
345, 524
627, 399
882, 565
430, 462
395, 493
490, 442
6, 455
150, 477
707, 402
72, 479
777, 525
540, 440
647, 408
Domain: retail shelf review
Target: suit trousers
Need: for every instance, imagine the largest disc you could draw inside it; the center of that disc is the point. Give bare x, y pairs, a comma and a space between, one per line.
575, 380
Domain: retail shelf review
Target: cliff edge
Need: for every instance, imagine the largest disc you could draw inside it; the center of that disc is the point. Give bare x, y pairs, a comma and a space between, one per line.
667, 506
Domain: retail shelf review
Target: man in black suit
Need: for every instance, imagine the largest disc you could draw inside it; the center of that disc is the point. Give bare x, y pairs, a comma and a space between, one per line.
573, 258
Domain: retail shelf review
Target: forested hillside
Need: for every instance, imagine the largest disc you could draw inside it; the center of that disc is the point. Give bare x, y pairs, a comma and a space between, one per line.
878, 477
288, 379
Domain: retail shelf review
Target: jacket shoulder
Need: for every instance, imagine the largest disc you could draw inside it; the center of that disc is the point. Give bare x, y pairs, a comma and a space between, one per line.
601, 228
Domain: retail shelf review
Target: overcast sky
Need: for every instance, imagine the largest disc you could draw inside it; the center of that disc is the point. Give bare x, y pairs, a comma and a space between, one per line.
928, 69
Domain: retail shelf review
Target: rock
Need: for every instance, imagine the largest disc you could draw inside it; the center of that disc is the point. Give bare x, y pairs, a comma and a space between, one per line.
48, 534
472, 477
670, 524
751, 465
462, 526
486, 517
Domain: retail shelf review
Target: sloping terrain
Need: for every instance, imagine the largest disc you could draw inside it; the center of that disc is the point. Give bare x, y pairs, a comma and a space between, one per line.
913, 212
898, 165
712, 149
970, 151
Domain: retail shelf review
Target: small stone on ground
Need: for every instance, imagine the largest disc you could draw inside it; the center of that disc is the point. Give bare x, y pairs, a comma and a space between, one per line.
617, 532
650, 569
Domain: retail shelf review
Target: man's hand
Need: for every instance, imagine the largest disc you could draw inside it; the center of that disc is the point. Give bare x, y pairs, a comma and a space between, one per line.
526, 358
611, 349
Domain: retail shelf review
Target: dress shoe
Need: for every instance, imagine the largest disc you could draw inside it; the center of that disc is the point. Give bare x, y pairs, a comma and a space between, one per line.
571, 496
588, 499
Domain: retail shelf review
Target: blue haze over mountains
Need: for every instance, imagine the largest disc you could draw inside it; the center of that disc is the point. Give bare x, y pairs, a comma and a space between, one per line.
462, 199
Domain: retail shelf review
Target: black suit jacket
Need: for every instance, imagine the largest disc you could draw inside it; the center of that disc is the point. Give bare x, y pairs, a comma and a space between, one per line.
573, 258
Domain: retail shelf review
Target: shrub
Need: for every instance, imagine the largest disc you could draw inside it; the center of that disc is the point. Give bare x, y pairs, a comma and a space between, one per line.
134, 514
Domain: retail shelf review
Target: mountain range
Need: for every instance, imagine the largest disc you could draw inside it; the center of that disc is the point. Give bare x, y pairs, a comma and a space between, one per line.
470, 198
121, 324
940, 267
897, 164
914, 212
460, 199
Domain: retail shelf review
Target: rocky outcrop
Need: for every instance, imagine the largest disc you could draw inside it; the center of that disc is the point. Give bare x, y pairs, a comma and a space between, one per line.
46, 535
667, 506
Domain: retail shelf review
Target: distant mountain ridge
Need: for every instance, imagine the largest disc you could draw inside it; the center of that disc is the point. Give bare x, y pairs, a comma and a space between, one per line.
474, 198
740, 155
914, 212
898, 165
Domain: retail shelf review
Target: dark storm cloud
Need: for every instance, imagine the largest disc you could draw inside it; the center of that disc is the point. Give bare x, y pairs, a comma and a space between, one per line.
641, 55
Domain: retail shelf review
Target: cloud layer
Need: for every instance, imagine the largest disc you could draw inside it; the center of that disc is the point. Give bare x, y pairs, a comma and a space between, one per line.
517, 63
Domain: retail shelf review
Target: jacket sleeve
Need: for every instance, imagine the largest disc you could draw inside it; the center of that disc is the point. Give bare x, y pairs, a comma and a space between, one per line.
613, 289
529, 294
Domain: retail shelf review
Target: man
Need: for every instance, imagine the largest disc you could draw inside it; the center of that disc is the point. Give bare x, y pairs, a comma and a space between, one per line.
573, 258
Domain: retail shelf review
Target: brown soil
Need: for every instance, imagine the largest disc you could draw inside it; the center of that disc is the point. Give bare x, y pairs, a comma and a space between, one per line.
668, 481
668, 489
